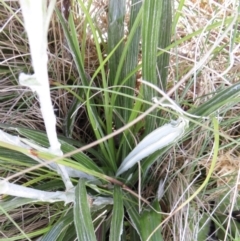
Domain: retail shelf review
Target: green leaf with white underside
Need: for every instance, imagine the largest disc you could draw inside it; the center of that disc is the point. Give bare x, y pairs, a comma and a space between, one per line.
164, 41
145, 222
118, 214
82, 215
151, 25
116, 17
149, 220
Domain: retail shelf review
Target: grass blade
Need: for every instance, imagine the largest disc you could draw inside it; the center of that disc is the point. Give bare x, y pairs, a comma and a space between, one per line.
59, 228
73, 44
221, 98
100, 129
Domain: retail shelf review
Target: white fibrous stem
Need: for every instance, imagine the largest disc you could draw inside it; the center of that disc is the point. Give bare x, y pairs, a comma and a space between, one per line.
16, 190
37, 16
37, 195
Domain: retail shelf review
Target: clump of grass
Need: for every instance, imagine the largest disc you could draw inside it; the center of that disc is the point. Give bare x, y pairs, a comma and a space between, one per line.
97, 58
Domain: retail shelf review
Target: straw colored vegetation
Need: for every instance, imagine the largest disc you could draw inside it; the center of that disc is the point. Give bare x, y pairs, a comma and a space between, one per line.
99, 56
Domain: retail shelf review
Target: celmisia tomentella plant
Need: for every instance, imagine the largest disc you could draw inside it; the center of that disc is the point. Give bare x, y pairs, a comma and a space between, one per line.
37, 15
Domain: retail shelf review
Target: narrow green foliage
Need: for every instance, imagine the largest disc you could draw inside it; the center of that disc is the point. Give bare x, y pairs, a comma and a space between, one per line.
82, 216
151, 26
130, 63
116, 228
71, 36
149, 220
131, 205
14, 203
152, 12
132, 56
115, 34
223, 97
164, 41
84, 29
14, 223
70, 118
146, 221
59, 228
41, 139
100, 129
116, 16
177, 15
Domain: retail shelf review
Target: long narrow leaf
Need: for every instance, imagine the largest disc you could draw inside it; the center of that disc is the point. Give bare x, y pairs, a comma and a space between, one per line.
164, 41
128, 63
115, 34
41, 139
72, 40
118, 214
73, 44
116, 17
149, 220
58, 228
217, 101
82, 216
107, 147
130, 203
145, 222
151, 26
